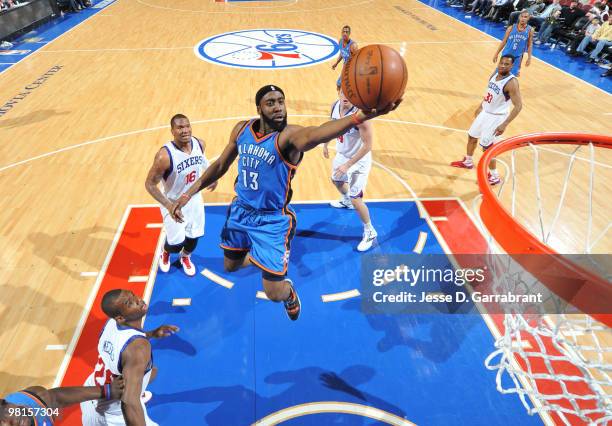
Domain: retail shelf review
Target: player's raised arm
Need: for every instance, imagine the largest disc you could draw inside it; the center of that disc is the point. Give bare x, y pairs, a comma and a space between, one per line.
306, 138
135, 360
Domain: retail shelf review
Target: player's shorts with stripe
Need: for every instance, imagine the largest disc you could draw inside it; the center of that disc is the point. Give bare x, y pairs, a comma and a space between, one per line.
483, 128
357, 175
265, 234
192, 226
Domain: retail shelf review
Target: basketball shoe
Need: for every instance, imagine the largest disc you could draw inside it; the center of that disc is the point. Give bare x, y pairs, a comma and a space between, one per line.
188, 267
368, 238
343, 203
164, 261
292, 304
463, 164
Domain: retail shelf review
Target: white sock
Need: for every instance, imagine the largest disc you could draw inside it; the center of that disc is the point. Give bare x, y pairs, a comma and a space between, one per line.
368, 226
494, 172
468, 159
346, 198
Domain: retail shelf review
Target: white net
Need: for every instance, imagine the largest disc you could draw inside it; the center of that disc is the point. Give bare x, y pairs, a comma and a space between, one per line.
560, 365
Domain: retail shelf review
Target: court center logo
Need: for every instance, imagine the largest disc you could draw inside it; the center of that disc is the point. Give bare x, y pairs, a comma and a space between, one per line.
267, 49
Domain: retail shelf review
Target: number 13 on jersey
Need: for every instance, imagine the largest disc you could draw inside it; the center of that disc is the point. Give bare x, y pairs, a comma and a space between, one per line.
250, 180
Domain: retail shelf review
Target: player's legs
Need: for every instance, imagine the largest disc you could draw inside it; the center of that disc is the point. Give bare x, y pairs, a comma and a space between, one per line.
516, 67
279, 288
488, 139
358, 179
341, 184
474, 133
175, 237
235, 259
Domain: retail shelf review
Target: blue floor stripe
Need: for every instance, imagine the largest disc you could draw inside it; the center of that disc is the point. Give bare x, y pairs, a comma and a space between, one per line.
238, 359
556, 57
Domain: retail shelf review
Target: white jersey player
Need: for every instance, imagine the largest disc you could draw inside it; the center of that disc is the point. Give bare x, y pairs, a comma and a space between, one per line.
123, 350
493, 115
178, 164
351, 167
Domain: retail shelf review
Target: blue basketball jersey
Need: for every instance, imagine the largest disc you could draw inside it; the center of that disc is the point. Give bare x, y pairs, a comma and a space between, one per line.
264, 177
345, 51
29, 400
517, 41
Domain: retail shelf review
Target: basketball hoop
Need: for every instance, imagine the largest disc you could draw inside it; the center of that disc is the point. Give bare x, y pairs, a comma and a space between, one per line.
558, 364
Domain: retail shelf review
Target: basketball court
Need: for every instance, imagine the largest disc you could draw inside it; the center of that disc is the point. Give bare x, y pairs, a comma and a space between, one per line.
88, 108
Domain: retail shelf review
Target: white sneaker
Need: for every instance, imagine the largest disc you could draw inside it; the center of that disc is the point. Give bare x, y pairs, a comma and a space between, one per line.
368, 239
164, 261
342, 204
188, 267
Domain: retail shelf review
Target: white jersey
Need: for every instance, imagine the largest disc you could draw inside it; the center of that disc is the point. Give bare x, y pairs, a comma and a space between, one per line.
114, 339
495, 101
349, 143
184, 169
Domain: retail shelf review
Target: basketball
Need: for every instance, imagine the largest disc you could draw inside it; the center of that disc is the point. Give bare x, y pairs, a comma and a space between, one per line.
374, 76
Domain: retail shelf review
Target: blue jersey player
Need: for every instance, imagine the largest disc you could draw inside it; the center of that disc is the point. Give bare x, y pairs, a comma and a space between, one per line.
39, 406
517, 41
347, 48
260, 224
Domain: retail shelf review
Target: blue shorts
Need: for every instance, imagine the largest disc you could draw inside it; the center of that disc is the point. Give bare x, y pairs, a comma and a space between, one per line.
265, 234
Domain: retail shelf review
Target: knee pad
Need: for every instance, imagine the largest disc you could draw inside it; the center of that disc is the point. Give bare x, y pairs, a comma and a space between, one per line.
190, 244
173, 248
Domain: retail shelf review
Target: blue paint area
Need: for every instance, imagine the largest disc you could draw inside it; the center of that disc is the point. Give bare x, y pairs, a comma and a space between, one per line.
46, 33
576, 66
238, 359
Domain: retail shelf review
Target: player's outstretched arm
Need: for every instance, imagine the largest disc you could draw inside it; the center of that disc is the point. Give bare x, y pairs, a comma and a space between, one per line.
135, 360
214, 172
306, 138
66, 396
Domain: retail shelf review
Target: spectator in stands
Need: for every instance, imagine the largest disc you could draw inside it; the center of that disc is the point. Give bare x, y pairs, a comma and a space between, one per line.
603, 37
502, 12
7, 4
582, 37
534, 9
595, 11
537, 20
547, 27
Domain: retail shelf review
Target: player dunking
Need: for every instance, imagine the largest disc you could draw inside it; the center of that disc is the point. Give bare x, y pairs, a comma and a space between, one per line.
493, 115
351, 167
178, 164
259, 221
347, 48
123, 349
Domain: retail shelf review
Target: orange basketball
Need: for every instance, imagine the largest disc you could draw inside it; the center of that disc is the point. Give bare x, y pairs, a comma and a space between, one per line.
374, 76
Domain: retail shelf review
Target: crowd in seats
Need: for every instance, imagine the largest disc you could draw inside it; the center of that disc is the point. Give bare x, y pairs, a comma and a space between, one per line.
582, 27
74, 5
7, 4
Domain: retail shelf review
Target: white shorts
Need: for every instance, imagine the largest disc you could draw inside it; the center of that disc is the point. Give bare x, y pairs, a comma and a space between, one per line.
483, 128
192, 227
91, 416
357, 176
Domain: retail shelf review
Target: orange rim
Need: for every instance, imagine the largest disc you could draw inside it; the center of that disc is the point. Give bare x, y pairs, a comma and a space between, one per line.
583, 289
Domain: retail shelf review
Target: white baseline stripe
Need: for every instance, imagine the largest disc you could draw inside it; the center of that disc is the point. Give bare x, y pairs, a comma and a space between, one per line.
335, 297
56, 347
89, 274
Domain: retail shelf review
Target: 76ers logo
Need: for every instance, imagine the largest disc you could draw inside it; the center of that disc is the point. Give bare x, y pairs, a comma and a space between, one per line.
267, 49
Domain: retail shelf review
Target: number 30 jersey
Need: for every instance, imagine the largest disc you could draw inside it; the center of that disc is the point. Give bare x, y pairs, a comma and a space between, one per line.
495, 100
184, 168
264, 176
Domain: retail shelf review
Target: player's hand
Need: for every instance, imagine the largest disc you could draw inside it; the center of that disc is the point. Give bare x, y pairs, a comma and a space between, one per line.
500, 129
341, 171
477, 111
117, 388
162, 331
176, 212
528, 62
325, 151
495, 59
212, 186
368, 115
